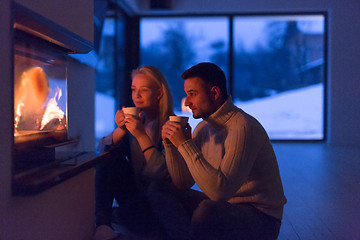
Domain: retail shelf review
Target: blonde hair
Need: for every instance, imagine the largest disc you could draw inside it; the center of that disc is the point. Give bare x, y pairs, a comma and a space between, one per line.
166, 106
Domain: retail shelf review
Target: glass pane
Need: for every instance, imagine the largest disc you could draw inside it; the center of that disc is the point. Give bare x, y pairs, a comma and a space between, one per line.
40, 91
105, 69
173, 44
279, 73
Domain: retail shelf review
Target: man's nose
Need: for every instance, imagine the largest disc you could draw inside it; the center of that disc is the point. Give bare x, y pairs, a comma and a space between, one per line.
186, 102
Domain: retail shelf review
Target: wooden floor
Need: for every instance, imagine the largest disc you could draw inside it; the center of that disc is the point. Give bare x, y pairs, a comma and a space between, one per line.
322, 186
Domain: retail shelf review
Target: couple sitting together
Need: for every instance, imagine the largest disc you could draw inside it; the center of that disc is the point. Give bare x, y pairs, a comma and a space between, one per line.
155, 162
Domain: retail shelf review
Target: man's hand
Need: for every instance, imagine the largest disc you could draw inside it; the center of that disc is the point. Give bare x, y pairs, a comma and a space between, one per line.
175, 133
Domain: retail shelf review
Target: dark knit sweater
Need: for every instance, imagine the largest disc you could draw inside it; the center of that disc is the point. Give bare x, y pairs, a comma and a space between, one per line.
230, 157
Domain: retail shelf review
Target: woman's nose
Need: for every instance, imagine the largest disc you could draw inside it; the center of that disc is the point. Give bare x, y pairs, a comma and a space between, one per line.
137, 93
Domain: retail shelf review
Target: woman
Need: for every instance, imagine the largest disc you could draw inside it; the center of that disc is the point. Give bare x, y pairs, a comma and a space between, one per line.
137, 158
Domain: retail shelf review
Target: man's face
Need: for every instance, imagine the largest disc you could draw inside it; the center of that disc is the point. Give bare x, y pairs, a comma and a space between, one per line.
198, 97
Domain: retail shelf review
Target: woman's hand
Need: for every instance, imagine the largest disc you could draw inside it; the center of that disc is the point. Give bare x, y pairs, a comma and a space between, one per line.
134, 125
120, 119
164, 134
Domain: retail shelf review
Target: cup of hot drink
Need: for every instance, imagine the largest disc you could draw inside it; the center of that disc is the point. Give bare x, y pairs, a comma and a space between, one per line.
132, 110
180, 119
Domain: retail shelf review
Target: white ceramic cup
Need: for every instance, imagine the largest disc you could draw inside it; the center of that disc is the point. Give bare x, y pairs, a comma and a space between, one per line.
131, 110
180, 119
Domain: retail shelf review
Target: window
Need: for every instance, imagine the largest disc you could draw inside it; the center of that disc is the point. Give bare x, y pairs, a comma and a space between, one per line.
108, 59
279, 73
175, 44
274, 64
105, 69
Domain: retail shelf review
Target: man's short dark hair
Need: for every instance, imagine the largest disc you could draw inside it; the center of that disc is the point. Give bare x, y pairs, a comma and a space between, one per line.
210, 73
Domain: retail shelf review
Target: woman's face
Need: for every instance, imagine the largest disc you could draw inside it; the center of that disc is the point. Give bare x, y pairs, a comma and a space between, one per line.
145, 92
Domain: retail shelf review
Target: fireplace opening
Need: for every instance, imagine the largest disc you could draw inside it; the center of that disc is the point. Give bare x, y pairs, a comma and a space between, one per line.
40, 99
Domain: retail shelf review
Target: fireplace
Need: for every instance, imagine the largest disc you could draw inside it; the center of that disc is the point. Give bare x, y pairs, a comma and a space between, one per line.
40, 99
41, 51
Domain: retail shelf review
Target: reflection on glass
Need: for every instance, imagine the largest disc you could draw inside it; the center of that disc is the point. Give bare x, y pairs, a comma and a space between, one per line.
279, 73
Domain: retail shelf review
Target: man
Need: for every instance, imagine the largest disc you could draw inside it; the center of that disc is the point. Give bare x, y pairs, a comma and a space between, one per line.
230, 158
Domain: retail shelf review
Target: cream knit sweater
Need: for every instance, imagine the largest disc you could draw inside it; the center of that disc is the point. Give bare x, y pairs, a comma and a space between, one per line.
230, 157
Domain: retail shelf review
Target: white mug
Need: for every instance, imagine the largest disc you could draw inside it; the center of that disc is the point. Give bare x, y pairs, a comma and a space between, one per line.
132, 110
180, 119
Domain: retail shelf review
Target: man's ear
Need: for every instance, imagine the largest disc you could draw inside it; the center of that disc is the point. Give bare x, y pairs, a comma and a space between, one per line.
215, 92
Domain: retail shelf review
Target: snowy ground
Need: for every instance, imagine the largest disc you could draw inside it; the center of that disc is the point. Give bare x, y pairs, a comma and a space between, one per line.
295, 115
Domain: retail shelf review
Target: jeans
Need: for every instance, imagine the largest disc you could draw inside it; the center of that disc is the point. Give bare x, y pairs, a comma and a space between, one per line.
189, 214
114, 179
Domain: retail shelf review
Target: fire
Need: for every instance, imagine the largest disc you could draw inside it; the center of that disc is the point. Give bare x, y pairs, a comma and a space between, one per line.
31, 91
52, 110
18, 115
31, 111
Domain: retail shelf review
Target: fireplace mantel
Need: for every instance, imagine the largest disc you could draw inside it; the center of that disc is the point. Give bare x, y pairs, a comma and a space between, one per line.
37, 180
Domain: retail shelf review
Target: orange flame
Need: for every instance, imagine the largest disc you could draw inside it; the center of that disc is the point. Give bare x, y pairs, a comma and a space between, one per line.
52, 110
18, 115
31, 91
